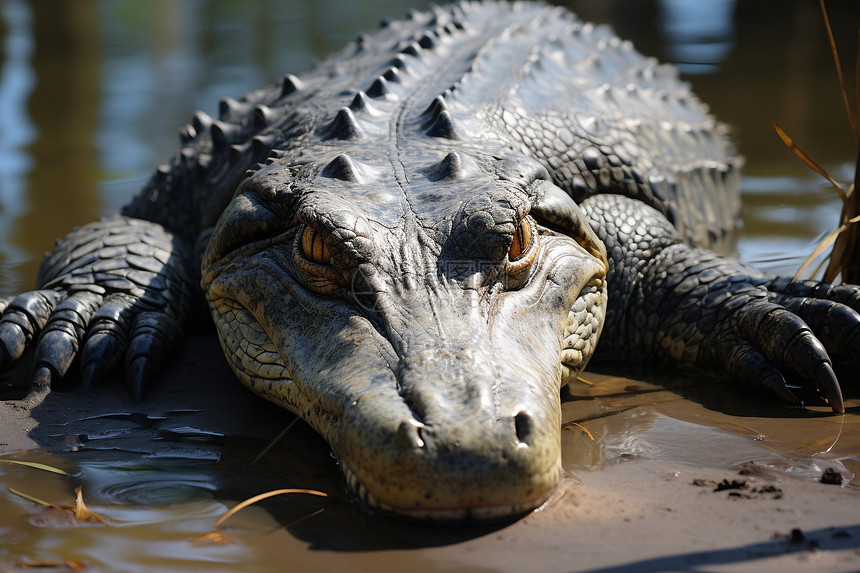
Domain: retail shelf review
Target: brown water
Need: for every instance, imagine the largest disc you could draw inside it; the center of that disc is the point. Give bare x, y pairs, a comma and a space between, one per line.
91, 96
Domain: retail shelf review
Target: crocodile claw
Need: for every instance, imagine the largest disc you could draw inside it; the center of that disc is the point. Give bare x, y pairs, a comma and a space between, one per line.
832, 314
91, 375
766, 331
102, 354
62, 334
22, 320
774, 382
41, 380
107, 339
747, 363
137, 377
827, 381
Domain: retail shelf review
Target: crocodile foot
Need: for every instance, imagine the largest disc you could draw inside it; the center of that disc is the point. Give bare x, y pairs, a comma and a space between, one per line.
782, 335
116, 289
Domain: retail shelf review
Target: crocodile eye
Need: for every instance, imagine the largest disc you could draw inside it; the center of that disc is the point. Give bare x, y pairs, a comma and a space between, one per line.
314, 264
522, 241
524, 246
314, 248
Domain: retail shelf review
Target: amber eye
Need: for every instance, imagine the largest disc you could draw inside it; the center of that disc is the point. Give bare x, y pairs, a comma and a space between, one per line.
522, 241
524, 246
314, 248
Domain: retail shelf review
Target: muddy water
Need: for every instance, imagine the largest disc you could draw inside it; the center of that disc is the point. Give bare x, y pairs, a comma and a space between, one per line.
91, 95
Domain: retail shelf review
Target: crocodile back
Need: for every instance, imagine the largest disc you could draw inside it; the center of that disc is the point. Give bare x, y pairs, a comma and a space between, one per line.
482, 78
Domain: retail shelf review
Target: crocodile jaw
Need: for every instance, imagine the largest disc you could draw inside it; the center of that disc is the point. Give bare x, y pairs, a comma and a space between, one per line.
468, 428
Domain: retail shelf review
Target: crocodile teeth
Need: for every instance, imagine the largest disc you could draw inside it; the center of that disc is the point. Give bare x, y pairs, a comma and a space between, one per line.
364, 495
360, 491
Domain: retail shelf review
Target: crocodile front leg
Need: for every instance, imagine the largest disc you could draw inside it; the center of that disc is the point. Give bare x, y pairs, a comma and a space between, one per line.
682, 305
116, 292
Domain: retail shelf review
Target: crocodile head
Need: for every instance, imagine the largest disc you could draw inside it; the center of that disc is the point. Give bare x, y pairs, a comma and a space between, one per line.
422, 320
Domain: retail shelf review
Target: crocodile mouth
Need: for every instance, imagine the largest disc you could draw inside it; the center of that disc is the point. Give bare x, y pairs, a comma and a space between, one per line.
582, 328
251, 352
480, 513
257, 361
430, 495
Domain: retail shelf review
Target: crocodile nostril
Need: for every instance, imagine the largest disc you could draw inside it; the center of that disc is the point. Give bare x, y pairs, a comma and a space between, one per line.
523, 425
410, 435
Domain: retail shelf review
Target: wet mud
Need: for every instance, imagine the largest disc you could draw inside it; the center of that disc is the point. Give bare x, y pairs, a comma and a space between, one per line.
654, 479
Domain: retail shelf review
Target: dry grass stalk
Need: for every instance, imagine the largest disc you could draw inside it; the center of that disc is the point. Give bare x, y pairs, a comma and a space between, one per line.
843, 258
217, 536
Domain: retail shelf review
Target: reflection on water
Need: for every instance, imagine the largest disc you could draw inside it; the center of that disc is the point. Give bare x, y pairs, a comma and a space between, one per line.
698, 34
16, 131
91, 96
693, 421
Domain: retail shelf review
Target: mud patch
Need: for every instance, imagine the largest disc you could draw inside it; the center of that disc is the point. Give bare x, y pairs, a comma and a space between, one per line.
832, 477
740, 489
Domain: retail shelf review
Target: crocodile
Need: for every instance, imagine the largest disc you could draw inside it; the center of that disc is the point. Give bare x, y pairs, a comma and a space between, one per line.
416, 244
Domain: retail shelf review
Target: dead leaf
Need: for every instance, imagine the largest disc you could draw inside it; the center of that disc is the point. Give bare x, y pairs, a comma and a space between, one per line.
53, 515
846, 239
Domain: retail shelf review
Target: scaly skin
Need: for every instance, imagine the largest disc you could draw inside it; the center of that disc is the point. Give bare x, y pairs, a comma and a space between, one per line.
412, 247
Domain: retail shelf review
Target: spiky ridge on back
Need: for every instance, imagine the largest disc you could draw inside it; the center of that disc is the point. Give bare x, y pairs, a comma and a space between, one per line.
475, 78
